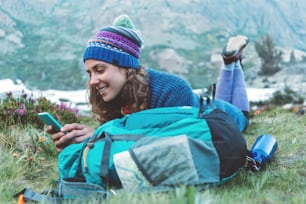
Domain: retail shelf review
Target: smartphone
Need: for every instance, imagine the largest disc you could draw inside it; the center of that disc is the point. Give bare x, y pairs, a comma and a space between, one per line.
48, 119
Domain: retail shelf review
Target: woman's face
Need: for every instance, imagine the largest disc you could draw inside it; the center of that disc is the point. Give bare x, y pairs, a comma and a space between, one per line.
107, 78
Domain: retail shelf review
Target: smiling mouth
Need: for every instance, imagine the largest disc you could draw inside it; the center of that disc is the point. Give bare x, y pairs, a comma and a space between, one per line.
101, 89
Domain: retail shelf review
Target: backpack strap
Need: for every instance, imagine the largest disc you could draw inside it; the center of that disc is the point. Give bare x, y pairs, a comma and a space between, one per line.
29, 195
71, 190
104, 169
67, 190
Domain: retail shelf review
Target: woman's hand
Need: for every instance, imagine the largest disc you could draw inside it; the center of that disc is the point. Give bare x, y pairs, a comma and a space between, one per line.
69, 134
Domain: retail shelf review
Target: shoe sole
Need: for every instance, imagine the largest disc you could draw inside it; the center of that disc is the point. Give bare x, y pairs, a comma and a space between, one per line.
229, 57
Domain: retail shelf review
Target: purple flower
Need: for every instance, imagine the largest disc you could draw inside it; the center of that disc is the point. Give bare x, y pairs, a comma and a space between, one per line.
9, 94
21, 112
24, 95
62, 106
76, 110
21, 109
32, 101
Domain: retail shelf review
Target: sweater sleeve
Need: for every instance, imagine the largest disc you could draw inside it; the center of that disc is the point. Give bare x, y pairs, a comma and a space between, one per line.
169, 90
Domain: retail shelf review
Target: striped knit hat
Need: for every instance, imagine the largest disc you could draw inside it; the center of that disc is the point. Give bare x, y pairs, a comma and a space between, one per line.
118, 44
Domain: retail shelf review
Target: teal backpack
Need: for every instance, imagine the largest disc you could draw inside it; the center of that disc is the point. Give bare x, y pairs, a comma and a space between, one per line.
169, 146
155, 148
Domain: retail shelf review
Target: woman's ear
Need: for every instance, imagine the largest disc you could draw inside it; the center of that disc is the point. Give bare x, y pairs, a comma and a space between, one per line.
129, 72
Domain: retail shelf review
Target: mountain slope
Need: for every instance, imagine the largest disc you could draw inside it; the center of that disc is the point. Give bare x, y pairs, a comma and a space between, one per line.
43, 41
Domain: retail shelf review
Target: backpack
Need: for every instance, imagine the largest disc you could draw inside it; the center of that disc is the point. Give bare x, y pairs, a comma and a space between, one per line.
169, 146
161, 147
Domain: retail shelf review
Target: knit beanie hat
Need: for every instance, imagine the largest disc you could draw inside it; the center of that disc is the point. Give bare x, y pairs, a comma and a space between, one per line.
118, 44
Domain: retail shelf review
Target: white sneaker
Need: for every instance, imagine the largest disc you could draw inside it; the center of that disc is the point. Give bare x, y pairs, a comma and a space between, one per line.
233, 49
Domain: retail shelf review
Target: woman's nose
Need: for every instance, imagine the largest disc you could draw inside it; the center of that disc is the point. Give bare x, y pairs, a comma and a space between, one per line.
93, 80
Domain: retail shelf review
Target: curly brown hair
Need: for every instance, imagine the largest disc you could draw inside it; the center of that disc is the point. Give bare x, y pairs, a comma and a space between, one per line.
135, 93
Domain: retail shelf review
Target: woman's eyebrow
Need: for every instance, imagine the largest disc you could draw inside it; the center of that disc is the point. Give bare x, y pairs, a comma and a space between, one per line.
96, 66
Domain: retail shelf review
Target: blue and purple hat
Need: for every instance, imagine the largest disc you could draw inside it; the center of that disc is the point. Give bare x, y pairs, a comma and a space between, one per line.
119, 44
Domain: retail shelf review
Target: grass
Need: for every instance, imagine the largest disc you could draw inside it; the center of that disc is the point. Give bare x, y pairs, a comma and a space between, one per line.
28, 160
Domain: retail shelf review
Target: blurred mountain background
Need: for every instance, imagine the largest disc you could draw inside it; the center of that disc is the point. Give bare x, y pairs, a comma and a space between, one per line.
42, 41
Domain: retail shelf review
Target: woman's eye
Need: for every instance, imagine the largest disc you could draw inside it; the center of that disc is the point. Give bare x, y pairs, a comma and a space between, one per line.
101, 70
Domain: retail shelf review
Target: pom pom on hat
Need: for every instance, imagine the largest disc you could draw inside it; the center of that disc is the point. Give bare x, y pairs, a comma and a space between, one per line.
124, 21
118, 44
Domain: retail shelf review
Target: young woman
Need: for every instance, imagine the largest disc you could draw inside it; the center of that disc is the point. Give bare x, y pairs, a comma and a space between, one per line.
118, 85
